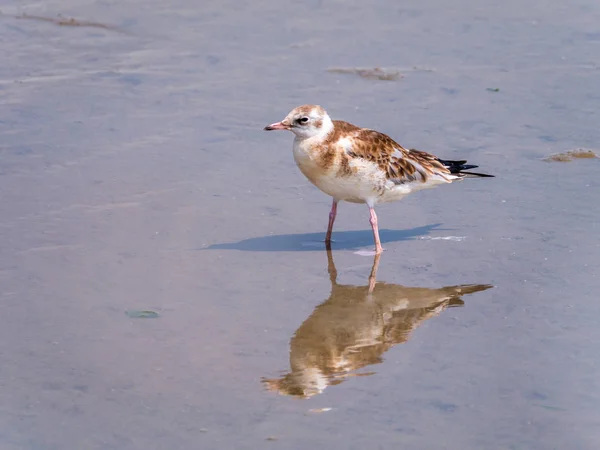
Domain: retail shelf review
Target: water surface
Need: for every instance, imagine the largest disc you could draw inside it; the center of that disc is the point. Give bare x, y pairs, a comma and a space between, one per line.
134, 175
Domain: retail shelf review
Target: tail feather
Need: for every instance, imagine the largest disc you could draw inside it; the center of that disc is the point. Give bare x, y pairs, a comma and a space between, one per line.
460, 167
456, 292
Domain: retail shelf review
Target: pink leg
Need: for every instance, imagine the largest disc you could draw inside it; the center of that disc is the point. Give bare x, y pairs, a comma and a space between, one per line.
332, 215
373, 276
373, 221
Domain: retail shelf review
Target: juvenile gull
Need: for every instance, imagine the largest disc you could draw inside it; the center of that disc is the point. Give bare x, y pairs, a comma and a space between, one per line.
360, 165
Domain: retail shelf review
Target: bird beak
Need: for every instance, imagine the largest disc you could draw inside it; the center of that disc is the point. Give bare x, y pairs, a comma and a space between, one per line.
277, 126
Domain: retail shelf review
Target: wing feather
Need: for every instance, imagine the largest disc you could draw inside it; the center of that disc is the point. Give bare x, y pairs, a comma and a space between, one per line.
399, 164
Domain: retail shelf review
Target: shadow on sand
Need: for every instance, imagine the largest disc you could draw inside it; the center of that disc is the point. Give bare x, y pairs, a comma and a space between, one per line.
342, 240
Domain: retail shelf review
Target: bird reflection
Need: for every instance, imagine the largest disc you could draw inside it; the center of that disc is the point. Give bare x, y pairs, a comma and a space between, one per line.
355, 326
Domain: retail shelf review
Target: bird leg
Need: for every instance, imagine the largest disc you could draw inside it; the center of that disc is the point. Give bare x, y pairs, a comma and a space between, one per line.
373, 276
373, 221
332, 215
331, 268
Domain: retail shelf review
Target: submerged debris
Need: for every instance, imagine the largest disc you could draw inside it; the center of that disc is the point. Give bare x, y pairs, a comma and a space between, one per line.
492, 89
422, 69
68, 22
579, 153
371, 74
145, 314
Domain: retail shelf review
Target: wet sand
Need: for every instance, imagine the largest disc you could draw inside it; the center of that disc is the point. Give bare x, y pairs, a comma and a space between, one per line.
135, 175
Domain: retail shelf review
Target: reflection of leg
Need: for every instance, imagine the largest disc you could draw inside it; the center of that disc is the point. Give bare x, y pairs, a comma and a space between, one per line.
332, 215
373, 276
331, 267
373, 221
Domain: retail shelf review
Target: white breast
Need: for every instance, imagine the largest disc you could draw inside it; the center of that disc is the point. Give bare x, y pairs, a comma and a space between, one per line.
306, 161
361, 187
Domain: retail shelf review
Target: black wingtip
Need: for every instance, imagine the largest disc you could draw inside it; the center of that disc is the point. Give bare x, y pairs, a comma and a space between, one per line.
460, 168
476, 175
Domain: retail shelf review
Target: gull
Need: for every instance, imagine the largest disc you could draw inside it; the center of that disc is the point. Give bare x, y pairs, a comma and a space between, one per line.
360, 165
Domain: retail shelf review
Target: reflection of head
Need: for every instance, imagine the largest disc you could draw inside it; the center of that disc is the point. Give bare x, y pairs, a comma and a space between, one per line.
354, 327
301, 383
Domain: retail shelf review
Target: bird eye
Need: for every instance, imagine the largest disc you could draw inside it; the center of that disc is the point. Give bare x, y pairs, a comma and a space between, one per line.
303, 120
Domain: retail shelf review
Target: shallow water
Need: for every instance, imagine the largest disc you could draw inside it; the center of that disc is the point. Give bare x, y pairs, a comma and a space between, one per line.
135, 175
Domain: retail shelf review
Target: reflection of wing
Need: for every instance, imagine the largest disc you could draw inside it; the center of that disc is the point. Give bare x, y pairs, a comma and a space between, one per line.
421, 304
355, 326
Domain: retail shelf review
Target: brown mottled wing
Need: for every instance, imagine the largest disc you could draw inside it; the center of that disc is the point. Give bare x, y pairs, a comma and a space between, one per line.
401, 165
